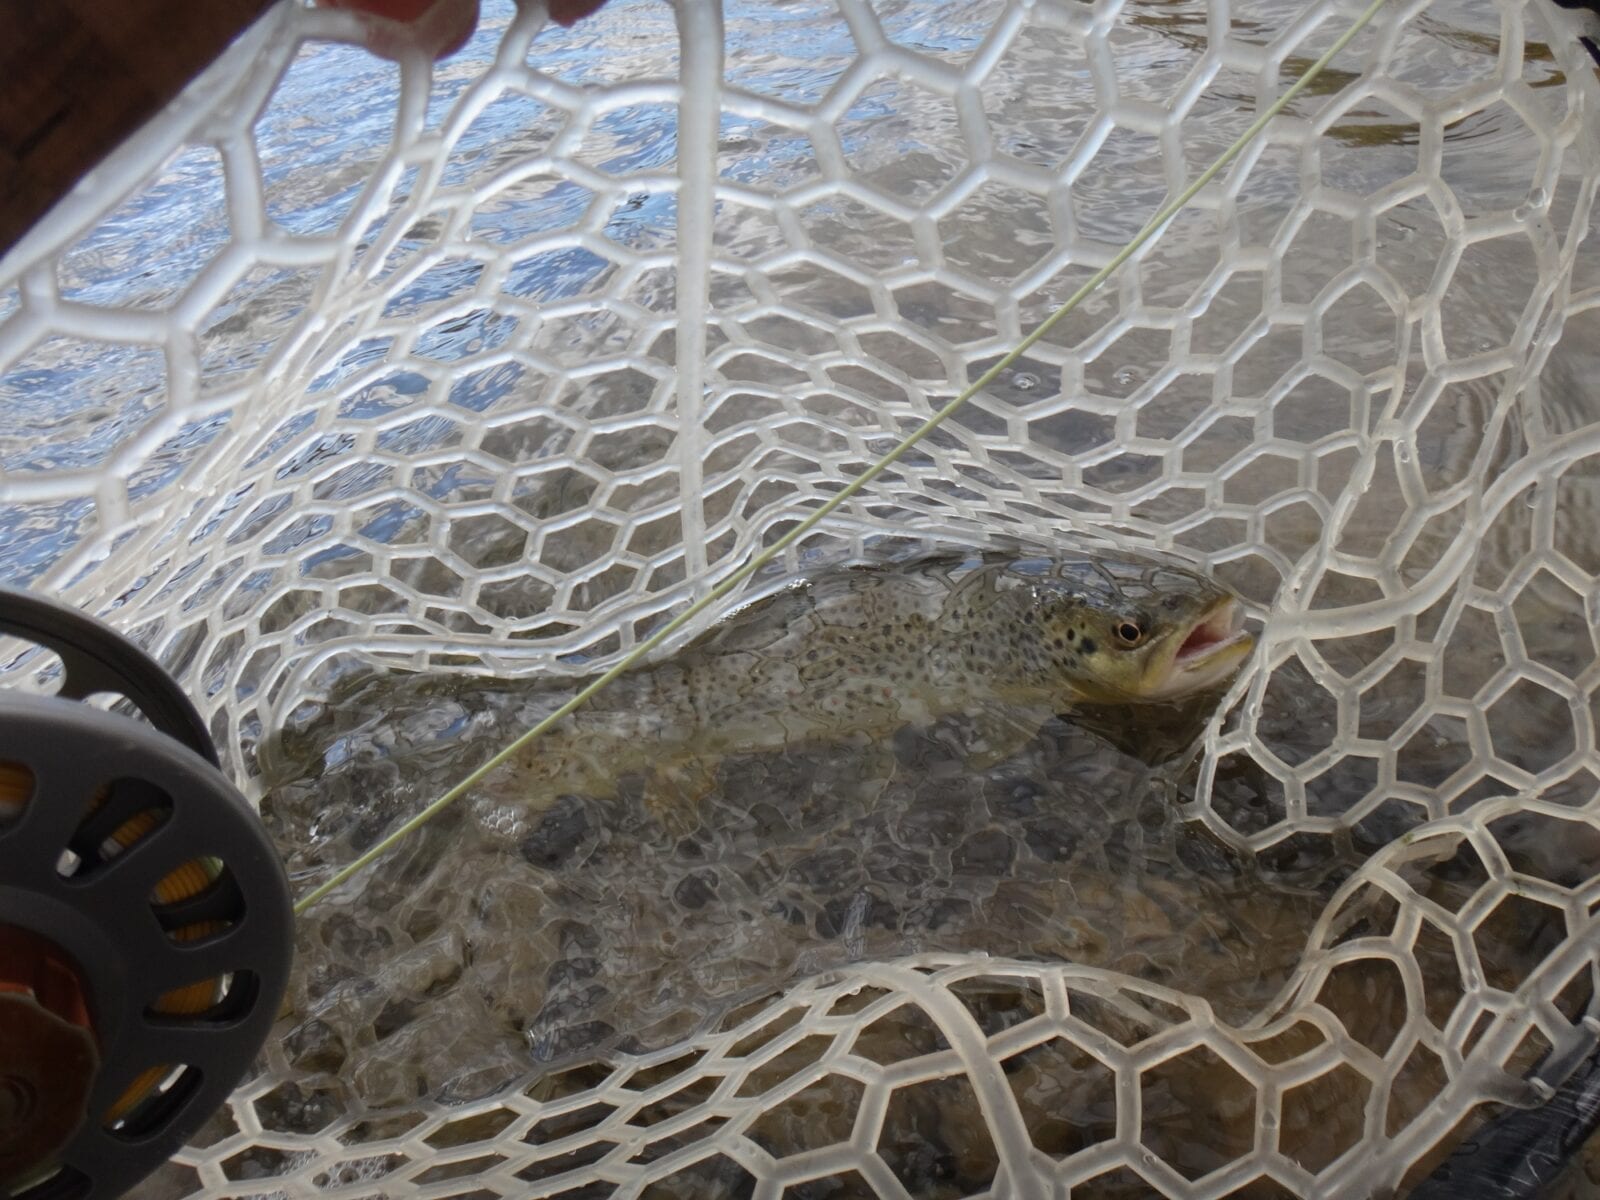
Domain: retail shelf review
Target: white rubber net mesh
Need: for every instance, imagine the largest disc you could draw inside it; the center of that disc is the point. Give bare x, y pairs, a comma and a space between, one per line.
490, 366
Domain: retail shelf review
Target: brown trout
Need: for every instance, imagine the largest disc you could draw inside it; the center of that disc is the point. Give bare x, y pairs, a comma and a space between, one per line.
868, 650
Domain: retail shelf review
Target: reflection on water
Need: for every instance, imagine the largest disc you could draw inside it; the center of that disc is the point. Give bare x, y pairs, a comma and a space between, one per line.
899, 138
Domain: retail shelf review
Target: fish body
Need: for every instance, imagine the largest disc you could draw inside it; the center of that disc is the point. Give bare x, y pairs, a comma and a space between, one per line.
869, 650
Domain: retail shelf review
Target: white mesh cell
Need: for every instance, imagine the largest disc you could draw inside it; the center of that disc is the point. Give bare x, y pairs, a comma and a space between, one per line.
492, 365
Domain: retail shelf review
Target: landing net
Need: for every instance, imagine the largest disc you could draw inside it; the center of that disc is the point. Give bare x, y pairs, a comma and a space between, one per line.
495, 366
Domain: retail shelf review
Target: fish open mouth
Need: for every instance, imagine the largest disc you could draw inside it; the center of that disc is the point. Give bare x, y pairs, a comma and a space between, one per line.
1210, 652
1224, 627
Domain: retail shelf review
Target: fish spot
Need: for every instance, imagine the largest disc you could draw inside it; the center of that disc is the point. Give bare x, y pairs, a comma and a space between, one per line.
1072, 635
1089, 646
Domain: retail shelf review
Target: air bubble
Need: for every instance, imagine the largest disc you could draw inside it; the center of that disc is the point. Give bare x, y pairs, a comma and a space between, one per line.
1024, 382
503, 821
1127, 377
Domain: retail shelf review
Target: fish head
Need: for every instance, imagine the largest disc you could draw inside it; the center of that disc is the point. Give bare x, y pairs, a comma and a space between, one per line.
1138, 631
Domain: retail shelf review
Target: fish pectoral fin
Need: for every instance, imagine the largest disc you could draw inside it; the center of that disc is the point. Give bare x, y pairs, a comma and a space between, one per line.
999, 732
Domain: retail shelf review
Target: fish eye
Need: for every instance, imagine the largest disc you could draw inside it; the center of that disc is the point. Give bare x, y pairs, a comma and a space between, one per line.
1128, 632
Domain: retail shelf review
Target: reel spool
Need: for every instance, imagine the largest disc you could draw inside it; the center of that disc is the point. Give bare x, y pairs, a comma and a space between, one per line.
145, 923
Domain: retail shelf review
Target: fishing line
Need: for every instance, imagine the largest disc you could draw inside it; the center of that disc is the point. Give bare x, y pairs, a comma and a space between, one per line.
722, 590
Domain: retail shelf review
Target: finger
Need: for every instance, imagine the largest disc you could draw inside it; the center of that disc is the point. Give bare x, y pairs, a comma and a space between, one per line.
395, 28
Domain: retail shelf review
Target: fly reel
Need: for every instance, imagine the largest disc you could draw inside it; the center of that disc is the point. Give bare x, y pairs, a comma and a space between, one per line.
145, 925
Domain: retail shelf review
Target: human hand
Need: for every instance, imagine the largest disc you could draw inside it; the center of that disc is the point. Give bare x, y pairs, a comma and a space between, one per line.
437, 27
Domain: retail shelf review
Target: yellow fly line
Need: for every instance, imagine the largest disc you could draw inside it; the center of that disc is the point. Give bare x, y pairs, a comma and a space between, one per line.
721, 590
